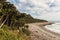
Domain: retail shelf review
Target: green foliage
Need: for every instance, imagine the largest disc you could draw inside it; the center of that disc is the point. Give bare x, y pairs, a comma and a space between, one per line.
23, 33
15, 18
5, 35
5, 27
26, 31
2, 0
26, 26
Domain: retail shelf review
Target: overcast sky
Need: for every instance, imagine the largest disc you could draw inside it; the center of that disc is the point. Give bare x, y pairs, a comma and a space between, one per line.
42, 9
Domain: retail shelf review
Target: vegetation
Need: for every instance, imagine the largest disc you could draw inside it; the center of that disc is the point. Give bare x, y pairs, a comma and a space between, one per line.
26, 31
12, 17
4, 35
12, 20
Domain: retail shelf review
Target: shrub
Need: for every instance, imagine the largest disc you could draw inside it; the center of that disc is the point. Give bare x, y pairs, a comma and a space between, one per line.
26, 26
26, 31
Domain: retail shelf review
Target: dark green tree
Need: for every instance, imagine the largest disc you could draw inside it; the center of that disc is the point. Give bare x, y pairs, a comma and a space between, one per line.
3, 0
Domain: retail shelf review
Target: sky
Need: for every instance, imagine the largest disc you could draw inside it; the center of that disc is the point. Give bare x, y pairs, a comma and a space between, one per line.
41, 9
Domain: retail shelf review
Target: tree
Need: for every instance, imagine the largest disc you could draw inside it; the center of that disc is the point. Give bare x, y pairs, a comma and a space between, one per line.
2, 0
8, 10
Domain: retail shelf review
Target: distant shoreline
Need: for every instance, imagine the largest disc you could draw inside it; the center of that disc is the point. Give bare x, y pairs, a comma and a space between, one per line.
50, 30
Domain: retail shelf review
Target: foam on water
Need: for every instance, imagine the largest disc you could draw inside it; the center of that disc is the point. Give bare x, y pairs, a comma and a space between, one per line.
54, 27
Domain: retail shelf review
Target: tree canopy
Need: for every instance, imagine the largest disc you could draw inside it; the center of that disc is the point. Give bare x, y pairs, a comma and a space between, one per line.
10, 16
3, 0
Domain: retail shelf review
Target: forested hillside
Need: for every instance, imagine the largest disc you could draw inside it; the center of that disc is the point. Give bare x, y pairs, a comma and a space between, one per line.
11, 18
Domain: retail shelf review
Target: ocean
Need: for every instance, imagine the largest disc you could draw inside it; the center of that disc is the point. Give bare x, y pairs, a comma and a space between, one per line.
54, 27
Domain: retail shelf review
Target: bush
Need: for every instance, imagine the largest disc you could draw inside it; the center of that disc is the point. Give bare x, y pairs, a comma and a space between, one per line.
26, 26
26, 31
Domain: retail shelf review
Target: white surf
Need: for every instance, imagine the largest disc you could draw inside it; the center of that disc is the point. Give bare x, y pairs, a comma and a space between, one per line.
54, 27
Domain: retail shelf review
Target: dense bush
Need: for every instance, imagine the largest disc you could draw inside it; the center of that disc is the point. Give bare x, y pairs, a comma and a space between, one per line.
26, 31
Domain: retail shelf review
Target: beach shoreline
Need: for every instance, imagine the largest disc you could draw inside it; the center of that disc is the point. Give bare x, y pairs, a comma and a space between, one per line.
39, 32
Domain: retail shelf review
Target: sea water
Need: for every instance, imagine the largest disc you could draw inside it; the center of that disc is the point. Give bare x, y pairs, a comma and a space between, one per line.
54, 27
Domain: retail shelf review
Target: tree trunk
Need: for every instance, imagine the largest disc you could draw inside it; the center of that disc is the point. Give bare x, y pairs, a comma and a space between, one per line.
4, 22
1, 19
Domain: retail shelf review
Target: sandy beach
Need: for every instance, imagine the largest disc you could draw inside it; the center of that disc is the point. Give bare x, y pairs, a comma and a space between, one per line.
39, 32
